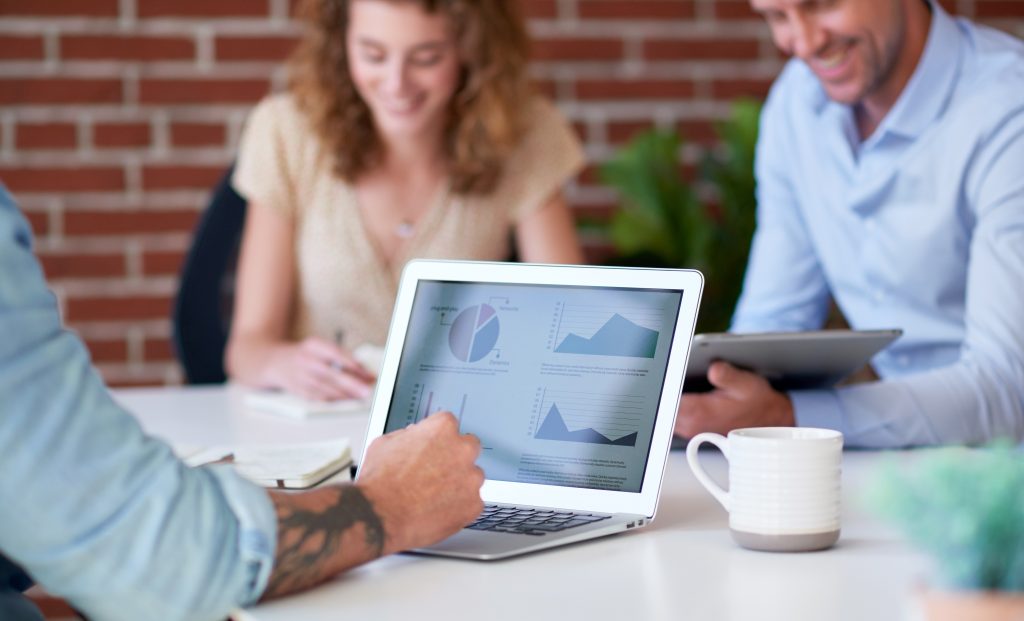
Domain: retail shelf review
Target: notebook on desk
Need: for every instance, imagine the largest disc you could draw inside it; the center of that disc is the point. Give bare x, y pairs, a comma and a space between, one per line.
282, 466
569, 375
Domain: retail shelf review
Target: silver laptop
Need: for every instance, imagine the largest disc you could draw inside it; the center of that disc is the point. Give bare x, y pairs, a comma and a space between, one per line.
569, 375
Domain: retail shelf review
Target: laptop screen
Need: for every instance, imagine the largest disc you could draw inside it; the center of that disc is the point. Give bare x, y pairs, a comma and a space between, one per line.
560, 383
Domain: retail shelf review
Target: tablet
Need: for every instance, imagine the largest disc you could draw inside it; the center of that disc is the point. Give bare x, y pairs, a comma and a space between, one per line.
789, 360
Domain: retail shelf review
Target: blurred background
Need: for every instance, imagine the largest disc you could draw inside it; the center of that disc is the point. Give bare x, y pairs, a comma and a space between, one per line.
117, 117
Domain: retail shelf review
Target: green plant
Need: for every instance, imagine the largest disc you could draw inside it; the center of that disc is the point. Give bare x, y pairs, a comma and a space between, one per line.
965, 508
663, 221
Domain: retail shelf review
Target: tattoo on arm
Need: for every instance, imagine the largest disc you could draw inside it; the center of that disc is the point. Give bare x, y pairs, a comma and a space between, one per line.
309, 539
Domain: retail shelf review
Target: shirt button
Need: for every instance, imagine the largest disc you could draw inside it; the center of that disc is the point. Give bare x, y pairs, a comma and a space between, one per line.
904, 361
869, 224
879, 295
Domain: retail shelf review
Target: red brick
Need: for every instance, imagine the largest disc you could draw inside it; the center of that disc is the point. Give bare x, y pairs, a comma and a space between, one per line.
203, 8
599, 252
590, 174
39, 221
20, 91
198, 134
621, 132
734, 9
580, 129
121, 135
730, 89
21, 48
274, 49
113, 47
158, 350
700, 132
120, 308
701, 49
548, 88
998, 8
600, 213
122, 382
539, 9
200, 91
635, 9
172, 177
64, 179
162, 263
577, 49
115, 350
78, 265
87, 223
45, 136
634, 89
59, 8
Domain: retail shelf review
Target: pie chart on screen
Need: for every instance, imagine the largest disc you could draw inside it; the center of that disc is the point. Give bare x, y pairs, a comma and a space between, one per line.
474, 333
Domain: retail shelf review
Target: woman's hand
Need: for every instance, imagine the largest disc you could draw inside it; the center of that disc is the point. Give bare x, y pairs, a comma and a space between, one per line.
320, 370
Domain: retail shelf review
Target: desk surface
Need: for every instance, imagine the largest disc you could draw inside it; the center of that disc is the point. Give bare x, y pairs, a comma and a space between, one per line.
683, 566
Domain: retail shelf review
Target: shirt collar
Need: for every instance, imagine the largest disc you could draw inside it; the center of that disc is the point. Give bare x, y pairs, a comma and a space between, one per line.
926, 94
928, 90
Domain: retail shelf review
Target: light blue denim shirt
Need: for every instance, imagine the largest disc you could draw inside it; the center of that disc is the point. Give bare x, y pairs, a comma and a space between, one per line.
919, 227
92, 508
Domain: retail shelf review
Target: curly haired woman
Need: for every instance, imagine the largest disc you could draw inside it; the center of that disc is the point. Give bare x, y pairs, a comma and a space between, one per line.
409, 130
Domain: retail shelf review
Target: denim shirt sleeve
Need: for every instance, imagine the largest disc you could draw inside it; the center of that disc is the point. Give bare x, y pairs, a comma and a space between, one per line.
92, 508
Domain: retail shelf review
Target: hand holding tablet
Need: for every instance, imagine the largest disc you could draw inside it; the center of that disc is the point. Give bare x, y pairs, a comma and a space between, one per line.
788, 360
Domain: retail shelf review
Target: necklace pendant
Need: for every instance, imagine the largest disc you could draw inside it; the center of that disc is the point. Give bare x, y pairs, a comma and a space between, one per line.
405, 229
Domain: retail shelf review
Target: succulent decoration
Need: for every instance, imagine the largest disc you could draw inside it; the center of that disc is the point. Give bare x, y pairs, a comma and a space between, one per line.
664, 222
965, 508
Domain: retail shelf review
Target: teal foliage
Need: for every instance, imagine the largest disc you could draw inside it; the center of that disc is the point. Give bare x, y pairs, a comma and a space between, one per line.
963, 507
663, 223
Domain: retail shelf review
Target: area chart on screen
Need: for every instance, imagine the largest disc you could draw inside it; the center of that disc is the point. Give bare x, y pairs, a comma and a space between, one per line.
617, 336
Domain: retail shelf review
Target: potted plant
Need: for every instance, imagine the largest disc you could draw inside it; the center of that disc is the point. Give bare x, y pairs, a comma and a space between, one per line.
965, 508
664, 221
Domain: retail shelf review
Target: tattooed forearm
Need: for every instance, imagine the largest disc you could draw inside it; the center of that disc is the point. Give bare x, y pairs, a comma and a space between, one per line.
310, 534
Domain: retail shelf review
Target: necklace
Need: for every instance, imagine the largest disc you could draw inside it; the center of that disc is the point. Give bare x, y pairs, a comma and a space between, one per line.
405, 228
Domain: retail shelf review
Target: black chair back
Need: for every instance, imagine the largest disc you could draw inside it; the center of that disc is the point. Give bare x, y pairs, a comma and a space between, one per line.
202, 310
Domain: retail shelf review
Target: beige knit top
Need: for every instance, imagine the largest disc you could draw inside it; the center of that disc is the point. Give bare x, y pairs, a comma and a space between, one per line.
343, 283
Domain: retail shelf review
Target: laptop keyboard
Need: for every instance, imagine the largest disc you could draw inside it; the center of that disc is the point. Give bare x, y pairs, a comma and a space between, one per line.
505, 519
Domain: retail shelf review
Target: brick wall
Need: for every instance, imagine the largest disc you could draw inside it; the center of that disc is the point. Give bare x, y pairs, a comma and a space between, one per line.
117, 116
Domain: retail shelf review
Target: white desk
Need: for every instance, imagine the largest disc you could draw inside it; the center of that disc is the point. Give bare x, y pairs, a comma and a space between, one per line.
684, 566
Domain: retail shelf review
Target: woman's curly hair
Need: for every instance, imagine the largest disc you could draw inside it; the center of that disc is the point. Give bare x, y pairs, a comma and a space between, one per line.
485, 115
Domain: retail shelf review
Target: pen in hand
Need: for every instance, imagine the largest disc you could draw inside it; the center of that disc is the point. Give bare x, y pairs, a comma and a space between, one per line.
339, 337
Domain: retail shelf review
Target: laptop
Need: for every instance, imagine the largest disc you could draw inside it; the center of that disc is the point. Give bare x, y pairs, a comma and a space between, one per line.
570, 376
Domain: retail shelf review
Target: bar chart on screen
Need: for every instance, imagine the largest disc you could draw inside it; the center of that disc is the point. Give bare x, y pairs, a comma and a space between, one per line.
426, 400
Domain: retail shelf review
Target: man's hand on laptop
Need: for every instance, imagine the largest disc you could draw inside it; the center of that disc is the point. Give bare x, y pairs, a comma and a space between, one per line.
416, 487
739, 399
423, 482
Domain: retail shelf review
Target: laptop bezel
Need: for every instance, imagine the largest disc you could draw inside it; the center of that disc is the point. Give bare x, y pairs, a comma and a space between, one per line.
690, 282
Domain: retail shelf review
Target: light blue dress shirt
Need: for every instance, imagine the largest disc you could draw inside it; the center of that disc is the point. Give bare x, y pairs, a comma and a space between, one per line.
92, 508
919, 227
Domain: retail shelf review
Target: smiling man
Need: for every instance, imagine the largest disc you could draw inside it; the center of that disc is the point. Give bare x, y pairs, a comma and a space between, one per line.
890, 178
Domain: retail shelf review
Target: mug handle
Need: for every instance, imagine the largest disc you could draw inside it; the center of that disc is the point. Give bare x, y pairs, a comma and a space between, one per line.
722, 443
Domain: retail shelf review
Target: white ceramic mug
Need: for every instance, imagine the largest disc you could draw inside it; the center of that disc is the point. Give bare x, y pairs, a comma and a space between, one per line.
783, 485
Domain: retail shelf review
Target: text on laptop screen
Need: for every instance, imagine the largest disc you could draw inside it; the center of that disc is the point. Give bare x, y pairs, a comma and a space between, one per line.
561, 384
